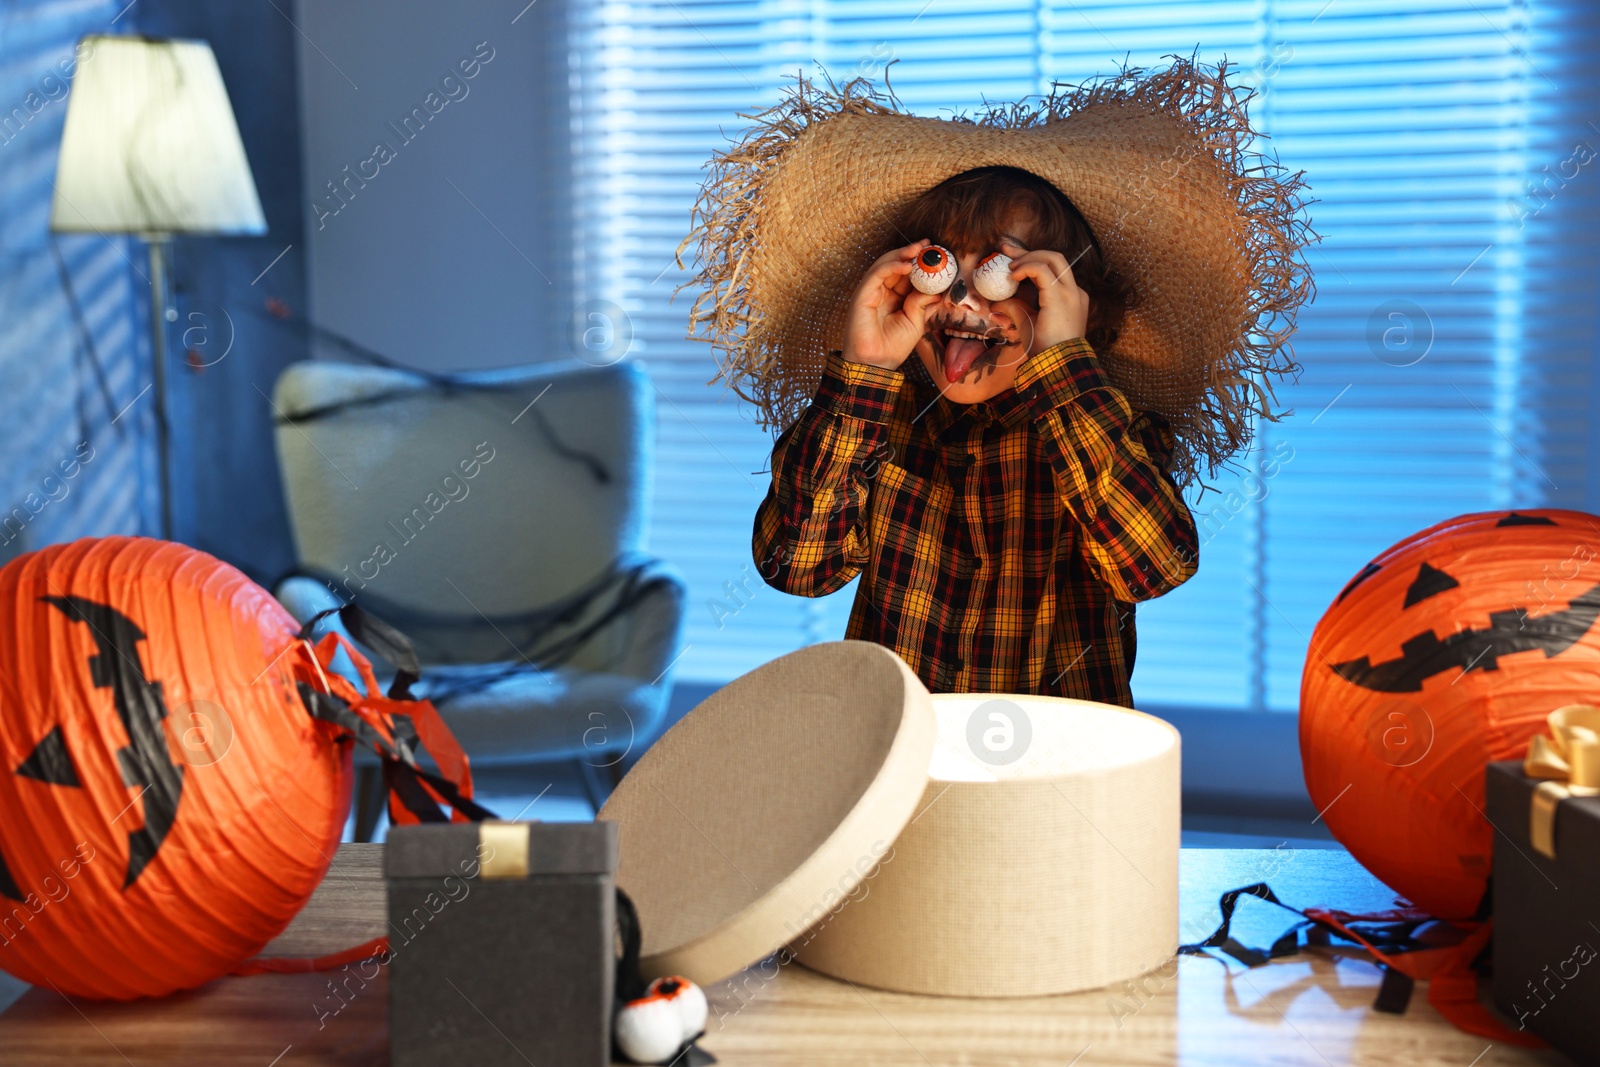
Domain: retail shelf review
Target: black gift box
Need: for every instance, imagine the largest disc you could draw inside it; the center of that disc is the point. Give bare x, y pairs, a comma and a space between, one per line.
1547, 916
503, 940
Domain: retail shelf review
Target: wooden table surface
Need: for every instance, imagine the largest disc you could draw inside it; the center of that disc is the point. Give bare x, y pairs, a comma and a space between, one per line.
1312, 1009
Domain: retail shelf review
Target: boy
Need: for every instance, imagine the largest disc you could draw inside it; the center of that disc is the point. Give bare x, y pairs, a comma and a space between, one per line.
1002, 474
1003, 503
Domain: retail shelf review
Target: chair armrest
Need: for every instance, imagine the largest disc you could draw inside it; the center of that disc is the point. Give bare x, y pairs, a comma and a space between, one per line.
304, 598
644, 642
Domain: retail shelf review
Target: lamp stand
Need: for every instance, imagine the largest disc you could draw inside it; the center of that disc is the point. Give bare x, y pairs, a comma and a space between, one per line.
157, 243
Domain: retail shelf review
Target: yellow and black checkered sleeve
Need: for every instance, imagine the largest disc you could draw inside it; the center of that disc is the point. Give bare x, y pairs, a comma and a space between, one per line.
1109, 463
810, 536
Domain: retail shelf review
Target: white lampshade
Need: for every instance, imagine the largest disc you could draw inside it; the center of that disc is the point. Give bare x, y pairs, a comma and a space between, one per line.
150, 145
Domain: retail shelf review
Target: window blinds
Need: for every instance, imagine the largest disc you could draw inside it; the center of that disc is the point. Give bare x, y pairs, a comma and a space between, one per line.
80, 457
1446, 355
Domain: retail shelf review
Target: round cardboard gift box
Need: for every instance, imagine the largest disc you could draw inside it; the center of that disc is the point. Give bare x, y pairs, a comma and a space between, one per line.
973, 845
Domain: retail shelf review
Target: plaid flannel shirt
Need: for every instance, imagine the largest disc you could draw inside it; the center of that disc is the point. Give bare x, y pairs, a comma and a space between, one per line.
1002, 545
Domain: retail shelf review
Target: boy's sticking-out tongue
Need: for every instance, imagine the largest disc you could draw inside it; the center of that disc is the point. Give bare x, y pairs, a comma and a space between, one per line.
961, 352
965, 346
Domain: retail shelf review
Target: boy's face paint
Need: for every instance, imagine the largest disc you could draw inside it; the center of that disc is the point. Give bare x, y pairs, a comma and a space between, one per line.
973, 346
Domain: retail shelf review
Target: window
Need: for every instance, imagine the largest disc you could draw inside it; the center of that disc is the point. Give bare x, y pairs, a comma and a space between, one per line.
1446, 356
66, 408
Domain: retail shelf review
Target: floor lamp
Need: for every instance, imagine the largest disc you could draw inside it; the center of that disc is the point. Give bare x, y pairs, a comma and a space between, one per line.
150, 147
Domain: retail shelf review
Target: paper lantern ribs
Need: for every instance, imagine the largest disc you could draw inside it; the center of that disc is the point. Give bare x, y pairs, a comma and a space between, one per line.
174, 766
1444, 653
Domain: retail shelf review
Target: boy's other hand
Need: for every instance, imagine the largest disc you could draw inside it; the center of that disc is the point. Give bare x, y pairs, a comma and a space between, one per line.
1063, 307
887, 316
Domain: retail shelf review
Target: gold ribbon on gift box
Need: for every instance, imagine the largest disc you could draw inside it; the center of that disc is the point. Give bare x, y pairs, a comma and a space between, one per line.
503, 849
1569, 761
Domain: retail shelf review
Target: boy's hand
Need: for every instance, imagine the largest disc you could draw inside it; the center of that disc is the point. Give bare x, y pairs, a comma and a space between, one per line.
887, 316
1063, 307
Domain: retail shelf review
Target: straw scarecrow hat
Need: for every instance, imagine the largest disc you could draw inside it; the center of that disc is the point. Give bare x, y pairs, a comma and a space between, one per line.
1210, 233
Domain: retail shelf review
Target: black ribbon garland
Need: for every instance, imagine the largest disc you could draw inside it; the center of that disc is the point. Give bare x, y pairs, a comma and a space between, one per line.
445, 383
618, 591
630, 983
385, 641
402, 775
1394, 992
1222, 938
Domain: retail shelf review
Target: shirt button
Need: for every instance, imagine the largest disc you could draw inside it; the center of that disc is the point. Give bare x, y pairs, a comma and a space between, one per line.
977, 563
957, 664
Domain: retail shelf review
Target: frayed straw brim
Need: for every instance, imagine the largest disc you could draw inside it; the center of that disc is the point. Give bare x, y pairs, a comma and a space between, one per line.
1210, 234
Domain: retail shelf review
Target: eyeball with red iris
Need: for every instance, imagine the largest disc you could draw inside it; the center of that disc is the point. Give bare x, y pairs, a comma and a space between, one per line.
655, 1027
993, 278
934, 271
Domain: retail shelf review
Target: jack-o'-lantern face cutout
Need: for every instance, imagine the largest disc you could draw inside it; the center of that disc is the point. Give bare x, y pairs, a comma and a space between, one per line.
146, 761
126, 868
50, 764
1515, 629
1445, 652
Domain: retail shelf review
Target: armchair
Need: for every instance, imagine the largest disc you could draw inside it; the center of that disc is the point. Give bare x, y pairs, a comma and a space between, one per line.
498, 518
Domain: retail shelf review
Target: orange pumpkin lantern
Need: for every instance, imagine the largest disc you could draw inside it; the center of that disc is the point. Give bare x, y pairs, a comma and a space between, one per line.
1444, 653
167, 801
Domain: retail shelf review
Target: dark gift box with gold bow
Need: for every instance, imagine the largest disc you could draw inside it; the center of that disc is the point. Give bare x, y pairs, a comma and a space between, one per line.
502, 937
1547, 884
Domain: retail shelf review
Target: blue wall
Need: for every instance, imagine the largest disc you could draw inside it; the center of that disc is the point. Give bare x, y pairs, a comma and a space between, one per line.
437, 178
73, 468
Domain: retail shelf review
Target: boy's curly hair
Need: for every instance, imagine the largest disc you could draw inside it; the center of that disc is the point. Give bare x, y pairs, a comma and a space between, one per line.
969, 211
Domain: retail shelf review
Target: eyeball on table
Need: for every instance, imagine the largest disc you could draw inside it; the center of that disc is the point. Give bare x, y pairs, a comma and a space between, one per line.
655, 1027
993, 278
935, 270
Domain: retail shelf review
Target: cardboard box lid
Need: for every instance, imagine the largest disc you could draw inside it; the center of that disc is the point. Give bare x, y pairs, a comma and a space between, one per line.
491, 850
763, 807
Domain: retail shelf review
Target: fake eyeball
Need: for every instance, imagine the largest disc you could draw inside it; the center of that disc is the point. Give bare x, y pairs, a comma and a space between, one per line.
649, 1030
689, 999
935, 270
993, 278
654, 1028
